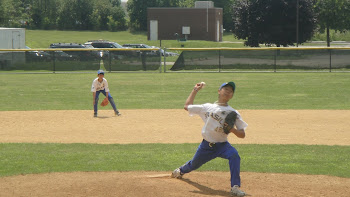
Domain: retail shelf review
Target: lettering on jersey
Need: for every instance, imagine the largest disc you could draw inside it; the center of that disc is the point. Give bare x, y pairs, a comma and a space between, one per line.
217, 117
220, 130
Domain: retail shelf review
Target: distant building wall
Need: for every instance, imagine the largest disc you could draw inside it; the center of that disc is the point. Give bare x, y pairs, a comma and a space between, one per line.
204, 24
12, 38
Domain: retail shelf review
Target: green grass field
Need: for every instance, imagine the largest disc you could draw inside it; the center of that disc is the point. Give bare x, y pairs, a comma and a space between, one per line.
25, 158
43, 39
27, 92
39, 39
169, 91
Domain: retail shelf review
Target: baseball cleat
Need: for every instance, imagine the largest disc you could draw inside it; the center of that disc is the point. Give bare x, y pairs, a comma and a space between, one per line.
235, 191
176, 174
95, 115
117, 113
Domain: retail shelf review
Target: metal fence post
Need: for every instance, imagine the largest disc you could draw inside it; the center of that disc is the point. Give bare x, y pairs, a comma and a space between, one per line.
54, 61
219, 60
275, 59
160, 59
110, 60
164, 60
330, 60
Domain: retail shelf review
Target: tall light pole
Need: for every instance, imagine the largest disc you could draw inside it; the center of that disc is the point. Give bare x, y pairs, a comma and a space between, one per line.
297, 26
207, 16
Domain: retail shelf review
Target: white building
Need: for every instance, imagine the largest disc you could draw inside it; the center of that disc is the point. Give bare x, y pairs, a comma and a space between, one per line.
11, 38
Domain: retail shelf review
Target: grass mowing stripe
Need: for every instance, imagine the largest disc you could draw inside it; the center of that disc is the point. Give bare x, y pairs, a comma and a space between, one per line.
43, 38
44, 158
170, 90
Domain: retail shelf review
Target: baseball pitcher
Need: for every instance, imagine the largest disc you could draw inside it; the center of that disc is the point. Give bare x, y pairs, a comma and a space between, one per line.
220, 119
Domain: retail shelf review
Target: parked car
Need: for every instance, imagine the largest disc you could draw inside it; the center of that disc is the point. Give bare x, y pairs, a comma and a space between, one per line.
138, 46
166, 53
60, 55
105, 44
37, 55
46, 55
79, 55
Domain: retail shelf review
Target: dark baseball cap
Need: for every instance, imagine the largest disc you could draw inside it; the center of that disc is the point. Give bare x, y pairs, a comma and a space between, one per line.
100, 72
231, 83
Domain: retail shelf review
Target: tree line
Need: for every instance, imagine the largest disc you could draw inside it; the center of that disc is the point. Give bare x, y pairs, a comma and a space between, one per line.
63, 14
285, 22
256, 21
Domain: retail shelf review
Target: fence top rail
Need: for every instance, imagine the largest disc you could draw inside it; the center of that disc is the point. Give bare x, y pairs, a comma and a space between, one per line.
267, 48
84, 49
179, 49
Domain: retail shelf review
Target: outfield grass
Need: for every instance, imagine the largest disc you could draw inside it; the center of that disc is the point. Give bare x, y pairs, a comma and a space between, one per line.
169, 90
43, 39
18, 159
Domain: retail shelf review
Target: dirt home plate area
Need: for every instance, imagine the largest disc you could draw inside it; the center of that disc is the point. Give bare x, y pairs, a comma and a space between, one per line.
311, 127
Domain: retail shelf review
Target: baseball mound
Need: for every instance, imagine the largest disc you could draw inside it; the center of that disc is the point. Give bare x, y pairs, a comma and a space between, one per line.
160, 184
171, 126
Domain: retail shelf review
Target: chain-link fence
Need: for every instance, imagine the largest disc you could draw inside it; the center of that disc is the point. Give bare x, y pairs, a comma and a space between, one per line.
82, 60
260, 60
167, 60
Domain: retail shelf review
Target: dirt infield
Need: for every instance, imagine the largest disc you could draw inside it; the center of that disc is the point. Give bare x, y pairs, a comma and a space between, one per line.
322, 127
193, 184
327, 127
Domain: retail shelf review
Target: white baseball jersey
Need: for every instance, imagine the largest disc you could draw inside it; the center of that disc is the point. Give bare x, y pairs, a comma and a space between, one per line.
214, 116
97, 86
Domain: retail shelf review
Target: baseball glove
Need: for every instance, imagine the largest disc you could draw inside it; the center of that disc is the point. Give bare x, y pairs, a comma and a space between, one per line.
230, 121
104, 102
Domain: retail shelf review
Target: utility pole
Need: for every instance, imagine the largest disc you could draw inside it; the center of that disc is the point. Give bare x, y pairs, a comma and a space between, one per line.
297, 26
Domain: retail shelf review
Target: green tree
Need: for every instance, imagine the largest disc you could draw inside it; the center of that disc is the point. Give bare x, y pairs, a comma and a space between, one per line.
82, 13
168, 3
44, 14
186, 3
333, 14
102, 11
2, 16
137, 10
14, 13
115, 3
63, 14
91, 15
273, 21
116, 21
66, 16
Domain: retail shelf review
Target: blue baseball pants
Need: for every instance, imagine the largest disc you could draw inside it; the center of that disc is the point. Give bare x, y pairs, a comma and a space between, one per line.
207, 152
110, 98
